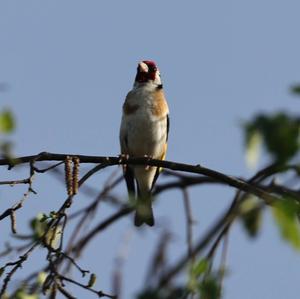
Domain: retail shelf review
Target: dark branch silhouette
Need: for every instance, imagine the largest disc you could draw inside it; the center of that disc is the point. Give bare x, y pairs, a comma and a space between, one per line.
63, 254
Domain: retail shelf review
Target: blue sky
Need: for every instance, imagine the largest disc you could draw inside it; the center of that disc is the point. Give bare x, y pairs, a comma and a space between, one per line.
69, 65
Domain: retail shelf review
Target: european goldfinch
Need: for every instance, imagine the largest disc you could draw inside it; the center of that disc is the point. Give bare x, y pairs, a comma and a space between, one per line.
144, 132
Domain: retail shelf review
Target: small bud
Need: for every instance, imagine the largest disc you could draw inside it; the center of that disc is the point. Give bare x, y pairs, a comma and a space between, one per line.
13, 222
92, 280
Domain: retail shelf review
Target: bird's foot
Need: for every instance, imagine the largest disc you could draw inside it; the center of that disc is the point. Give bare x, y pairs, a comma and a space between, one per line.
147, 167
123, 157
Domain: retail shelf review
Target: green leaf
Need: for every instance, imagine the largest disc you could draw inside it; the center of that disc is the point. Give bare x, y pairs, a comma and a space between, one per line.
92, 280
296, 89
43, 217
7, 123
53, 215
200, 268
53, 236
253, 145
39, 225
197, 270
280, 134
286, 214
209, 288
41, 278
251, 216
22, 294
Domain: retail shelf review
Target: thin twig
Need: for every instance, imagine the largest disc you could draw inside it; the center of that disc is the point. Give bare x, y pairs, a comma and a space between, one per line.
199, 247
98, 293
222, 270
16, 265
65, 292
15, 182
11, 211
189, 224
100, 227
48, 168
13, 222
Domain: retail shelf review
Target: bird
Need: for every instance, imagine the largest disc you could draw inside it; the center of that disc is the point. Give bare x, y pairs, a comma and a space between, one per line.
144, 132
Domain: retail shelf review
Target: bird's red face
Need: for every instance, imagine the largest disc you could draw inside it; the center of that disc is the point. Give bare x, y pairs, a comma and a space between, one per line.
146, 71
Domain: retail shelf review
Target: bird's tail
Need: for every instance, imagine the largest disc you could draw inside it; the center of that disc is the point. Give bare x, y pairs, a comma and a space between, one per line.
144, 213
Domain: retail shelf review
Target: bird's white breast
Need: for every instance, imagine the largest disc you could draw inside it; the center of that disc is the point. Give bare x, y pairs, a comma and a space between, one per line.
145, 132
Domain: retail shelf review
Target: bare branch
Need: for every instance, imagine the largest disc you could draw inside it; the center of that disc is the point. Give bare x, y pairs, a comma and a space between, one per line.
15, 182
109, 161
101, 226
189, 224
16, 265
60, 260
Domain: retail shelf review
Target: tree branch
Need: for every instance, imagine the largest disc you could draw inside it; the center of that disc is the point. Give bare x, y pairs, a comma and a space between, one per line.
109, 161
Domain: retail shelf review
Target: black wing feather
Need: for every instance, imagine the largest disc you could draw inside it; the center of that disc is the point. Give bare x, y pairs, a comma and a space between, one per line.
129, 178
168, 126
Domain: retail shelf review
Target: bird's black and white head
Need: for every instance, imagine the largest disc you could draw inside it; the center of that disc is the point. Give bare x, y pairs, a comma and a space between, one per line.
147, 72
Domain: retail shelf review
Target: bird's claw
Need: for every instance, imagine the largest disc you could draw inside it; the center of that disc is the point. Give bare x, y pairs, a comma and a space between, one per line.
123, 157
147, 167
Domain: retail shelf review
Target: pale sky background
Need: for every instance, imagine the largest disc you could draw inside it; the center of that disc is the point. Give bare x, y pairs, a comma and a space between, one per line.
69, 65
